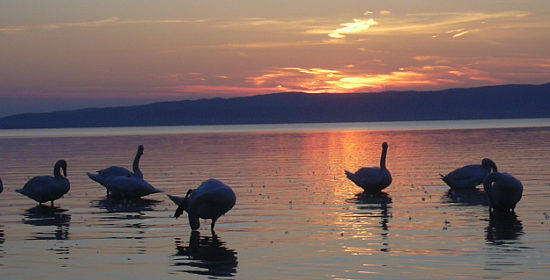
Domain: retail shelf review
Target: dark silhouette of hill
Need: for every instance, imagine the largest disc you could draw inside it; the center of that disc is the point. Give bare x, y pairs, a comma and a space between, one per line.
492, 102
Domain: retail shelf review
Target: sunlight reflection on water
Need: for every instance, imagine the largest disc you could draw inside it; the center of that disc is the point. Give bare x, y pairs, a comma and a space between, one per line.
296, 216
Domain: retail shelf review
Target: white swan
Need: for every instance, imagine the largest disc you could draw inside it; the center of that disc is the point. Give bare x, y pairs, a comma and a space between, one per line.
503, 190
47, 188
469, 176
372, 179
210, 200
103, 174
128, 186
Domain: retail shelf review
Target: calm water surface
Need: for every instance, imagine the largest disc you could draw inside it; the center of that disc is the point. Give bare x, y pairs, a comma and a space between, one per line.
296, 217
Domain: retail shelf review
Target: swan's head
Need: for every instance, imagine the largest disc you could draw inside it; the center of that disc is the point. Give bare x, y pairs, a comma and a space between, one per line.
183, 206
140, 149
489, 165
385, 146
63, 165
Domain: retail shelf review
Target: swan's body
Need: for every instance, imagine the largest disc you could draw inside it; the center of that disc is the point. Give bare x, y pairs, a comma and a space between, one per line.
47, 188
210, 200
102, 175
373, 179
128, 186
503, 190
469, 176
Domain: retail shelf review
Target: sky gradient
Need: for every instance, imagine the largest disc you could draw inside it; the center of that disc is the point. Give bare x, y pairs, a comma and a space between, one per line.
74, 54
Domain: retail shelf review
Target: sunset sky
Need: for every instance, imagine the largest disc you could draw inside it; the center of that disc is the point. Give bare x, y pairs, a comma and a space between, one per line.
75, 54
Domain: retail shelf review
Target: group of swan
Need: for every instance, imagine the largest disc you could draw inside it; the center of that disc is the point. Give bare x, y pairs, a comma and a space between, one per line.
210, 200
213, 198
120, 181
502, 189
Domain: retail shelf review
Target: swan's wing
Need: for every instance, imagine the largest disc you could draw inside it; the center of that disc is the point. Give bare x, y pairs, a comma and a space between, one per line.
129, 186
211, 199
45, 188
468, 176
369, 175
208, 205
114, 171
39, 183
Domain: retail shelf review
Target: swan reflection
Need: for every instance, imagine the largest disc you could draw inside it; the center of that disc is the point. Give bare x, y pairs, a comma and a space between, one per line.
205, 255
43, 216
503, 226
373, 205
125, 205
467, 197
2, 239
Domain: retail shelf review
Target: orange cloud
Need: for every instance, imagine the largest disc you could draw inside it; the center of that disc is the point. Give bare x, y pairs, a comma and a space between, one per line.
352, 79
317, 80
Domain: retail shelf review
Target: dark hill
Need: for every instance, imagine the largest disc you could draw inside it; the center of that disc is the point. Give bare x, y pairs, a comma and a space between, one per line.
494, 102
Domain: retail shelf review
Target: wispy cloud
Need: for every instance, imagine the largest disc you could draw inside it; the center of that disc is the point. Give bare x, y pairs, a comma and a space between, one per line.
96, 23
457, 24
430, 23
357, 26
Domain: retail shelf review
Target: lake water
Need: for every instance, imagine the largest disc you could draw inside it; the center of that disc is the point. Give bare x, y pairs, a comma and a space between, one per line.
296, 217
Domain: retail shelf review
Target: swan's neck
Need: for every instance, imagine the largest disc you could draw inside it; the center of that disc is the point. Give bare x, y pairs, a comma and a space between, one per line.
488, 186
383, 158
135, 166
57, 170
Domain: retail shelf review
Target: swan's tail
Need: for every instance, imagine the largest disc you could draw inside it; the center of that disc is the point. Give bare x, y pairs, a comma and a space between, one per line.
176, 199
155, 190
444, 179
179, 202
350, 176
96, 177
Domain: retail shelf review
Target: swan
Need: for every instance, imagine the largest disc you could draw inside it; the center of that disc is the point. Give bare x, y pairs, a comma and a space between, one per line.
128, 186
47, 188
1, 186
503, 190
469, 176
373, 179
103, 174
210, 200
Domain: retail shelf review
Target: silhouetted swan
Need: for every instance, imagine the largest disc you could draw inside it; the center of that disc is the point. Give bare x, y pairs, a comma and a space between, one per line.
103, 174
47, 188
503, 190
372, 179
128, 186
210, 200
469, 176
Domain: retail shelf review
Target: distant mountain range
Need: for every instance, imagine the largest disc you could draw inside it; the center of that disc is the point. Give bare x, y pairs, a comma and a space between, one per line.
492, 102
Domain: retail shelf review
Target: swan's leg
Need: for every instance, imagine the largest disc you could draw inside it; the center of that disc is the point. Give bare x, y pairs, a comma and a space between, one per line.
212, 226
